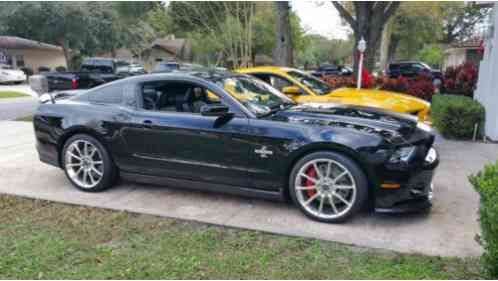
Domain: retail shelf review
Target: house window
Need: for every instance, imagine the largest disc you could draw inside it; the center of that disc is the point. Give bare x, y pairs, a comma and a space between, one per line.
20, 61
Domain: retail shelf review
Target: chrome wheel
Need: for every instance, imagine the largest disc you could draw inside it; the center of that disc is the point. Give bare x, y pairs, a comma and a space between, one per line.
325, 188
84, 164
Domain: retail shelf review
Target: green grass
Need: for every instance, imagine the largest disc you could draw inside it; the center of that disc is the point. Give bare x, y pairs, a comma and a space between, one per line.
44, 240
11, 94
28, 118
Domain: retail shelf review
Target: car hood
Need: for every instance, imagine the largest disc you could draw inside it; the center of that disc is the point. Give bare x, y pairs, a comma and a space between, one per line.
377, 98
366, 119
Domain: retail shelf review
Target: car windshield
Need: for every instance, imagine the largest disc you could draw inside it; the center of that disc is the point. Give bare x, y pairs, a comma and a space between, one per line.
315, 84
257, 96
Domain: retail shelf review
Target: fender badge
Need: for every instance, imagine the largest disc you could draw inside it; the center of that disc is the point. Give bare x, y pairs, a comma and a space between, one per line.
263, 152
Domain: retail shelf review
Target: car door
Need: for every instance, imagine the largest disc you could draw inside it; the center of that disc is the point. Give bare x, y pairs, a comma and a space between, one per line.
190, 146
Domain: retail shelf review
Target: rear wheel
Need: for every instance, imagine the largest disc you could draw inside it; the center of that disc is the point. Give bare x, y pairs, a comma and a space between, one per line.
328, 186
87, 164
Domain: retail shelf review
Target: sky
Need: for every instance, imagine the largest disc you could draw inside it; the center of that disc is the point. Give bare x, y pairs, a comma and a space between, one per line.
320, 18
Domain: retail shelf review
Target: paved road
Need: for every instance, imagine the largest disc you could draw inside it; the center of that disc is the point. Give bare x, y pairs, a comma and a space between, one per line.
448, 230
12, 108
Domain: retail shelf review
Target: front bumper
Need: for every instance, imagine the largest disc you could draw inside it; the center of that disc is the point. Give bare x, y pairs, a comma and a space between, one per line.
415, 191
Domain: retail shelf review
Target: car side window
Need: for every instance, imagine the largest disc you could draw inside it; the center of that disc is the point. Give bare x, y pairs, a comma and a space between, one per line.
406, 68
111, 94
175, 97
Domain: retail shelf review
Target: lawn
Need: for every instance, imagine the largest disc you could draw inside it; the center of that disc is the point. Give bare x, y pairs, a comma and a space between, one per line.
28, 118
44, 240
11, 94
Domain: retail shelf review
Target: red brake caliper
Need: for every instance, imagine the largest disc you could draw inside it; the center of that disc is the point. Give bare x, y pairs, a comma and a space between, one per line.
310, 173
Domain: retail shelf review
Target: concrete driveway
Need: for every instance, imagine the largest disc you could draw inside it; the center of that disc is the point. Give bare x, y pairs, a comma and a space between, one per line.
448, 230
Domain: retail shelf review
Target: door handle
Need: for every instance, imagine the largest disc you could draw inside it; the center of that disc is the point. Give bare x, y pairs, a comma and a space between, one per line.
147, 124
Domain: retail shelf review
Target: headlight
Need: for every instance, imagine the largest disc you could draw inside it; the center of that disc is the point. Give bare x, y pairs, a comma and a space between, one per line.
424, 127
402, 154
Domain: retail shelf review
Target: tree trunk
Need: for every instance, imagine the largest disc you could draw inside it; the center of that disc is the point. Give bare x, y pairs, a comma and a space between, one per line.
282, 54
62, 43
393, 46
367, 23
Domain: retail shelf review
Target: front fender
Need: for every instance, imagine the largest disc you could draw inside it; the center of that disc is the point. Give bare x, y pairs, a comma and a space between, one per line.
361, 148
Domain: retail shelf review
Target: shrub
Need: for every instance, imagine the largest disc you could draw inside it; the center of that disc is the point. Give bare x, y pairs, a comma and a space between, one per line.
420, 87
399, 85
43, 69
486, 184
461, 80
456, 116
339, 81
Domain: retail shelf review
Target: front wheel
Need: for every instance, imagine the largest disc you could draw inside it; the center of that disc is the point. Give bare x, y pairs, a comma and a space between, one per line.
328, 186
87, 164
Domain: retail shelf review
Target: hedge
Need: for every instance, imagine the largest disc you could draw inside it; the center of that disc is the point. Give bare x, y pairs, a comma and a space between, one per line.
486, 184
456, 116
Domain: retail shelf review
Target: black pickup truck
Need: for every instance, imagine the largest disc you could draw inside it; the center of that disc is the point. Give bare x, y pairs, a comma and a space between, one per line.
93, 72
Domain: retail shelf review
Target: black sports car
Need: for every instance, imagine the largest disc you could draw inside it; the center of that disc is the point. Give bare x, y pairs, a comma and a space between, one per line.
233, 133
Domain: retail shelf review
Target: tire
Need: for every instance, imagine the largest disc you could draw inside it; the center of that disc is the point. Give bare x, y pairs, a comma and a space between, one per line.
335, 193
89, 171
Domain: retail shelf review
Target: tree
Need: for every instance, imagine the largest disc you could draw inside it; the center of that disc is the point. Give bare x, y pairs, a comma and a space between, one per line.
227, 27
460, 20
420, 26
264, 30
282, 54
367, 19
84, 28
414, 25
160, 21
320, 50
431, 54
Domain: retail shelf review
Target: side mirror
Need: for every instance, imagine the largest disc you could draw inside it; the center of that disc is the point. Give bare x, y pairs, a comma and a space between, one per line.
214, 110
291, 90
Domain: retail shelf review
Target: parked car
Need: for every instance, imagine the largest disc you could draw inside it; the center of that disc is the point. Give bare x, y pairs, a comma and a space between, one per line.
166, 129
304, 88
175, 66
166, 67
10, 75
332, 69
411, 69
93, 72
130, 70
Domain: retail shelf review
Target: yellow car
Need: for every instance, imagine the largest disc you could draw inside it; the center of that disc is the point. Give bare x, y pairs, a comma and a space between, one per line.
305, 88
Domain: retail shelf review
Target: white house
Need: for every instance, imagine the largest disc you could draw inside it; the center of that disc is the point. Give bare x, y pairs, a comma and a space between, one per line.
460, 52
487, 84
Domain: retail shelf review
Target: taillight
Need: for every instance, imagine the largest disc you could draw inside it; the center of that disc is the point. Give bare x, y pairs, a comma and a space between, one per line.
74, 84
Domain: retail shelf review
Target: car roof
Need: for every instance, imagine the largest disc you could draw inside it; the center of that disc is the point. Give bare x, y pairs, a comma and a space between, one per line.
204, 74
281, 69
